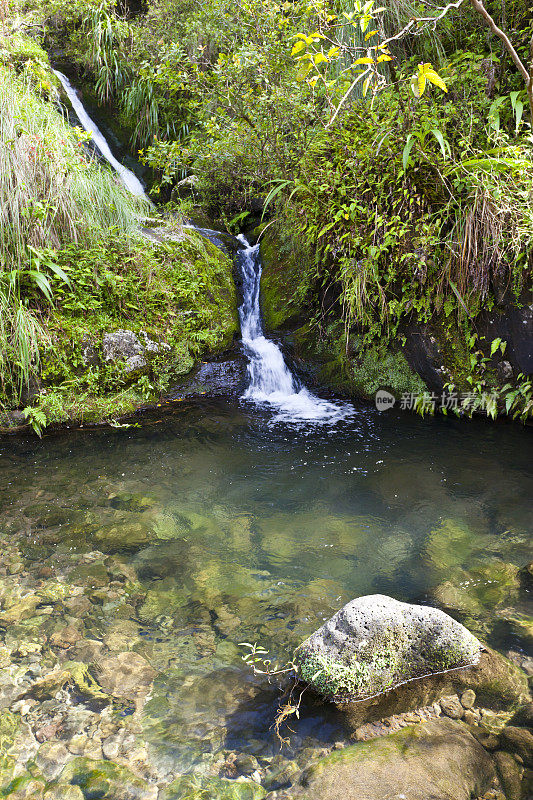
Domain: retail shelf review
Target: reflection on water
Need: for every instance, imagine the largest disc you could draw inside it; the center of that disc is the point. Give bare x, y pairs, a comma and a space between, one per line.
209, 528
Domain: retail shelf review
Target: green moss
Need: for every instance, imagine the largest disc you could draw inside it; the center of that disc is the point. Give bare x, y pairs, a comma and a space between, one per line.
9, 726
180, 293
284, 279
379, 366
101, 779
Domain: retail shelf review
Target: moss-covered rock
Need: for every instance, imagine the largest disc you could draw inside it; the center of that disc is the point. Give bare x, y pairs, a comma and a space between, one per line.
438, 759
286, 266
192, 788
100, 779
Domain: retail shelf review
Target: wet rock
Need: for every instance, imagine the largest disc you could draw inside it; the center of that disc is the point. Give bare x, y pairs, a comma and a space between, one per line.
519, 741
126, 675
51, 758
86, 650
451, 706
190, 788
510, 774
102, 779
25, 788
121, 538
471, 717
468, 698
437, 759
122, 634
82, 745
375, 642
215, 379
65, 637
524, 716
63, 791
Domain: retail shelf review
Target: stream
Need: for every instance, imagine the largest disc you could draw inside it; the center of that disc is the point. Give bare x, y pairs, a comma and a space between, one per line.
209, 526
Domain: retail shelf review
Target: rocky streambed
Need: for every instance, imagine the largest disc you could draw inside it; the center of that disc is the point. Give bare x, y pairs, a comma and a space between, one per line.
134, 562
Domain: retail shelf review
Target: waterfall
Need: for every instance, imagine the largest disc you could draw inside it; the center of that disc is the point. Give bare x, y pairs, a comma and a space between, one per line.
270, 380
128, 178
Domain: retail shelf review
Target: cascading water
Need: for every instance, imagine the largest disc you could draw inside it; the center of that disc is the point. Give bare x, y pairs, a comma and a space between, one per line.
128, 178
270, 380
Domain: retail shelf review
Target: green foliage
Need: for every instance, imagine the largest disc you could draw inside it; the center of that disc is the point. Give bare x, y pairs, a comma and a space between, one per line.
50, 195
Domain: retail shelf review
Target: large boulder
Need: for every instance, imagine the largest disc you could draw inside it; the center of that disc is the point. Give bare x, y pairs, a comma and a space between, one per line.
377, 657
375, 643
440, 760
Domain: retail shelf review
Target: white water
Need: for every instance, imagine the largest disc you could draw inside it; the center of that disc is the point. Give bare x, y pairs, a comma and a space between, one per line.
128, 178
270, 380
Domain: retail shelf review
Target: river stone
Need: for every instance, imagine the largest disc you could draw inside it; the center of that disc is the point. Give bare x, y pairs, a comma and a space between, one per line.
104, 779
127, 675
63, 791
375, 642
439, 759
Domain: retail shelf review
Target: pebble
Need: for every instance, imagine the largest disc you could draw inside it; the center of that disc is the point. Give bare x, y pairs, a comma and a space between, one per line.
451, 706
468, 698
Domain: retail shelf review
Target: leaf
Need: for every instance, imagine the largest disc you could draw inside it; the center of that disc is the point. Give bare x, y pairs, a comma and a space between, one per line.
41, 281
364, 60
304, 70
435, 78
407, 150
298, 47
414, 85
519, 112
495, 345
366, 84
370, 34
320, 58
456, 293
440, 139
383, 58
56, 269
421, 78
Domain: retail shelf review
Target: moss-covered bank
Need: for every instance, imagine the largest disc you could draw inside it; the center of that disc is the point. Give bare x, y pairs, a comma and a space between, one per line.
423, 359
100, 316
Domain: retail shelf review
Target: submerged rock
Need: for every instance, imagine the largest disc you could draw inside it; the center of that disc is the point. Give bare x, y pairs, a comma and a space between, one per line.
375, 643
101, 779
439, 759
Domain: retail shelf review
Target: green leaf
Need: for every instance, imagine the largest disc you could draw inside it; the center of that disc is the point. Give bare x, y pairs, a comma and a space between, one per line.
407, 150
41, 281
461, 301
495, 345
440, 139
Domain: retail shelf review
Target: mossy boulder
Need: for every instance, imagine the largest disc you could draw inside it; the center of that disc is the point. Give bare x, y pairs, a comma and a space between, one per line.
286, 265
440, 760
375, 642
386, 668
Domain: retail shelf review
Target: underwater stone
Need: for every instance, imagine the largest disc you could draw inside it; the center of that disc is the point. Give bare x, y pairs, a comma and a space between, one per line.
375, 642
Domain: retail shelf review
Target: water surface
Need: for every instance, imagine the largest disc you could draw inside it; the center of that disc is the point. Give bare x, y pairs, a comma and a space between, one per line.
233, 530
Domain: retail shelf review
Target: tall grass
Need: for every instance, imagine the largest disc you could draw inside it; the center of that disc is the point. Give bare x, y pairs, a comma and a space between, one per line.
50, 194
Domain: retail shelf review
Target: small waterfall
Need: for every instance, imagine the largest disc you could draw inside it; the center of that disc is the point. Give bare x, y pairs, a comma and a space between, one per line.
270, 380
128, 178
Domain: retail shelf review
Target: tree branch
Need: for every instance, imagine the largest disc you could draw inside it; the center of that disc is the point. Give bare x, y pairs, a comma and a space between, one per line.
478, 5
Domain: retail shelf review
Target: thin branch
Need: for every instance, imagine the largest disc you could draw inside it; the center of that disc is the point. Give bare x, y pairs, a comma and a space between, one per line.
478, 5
